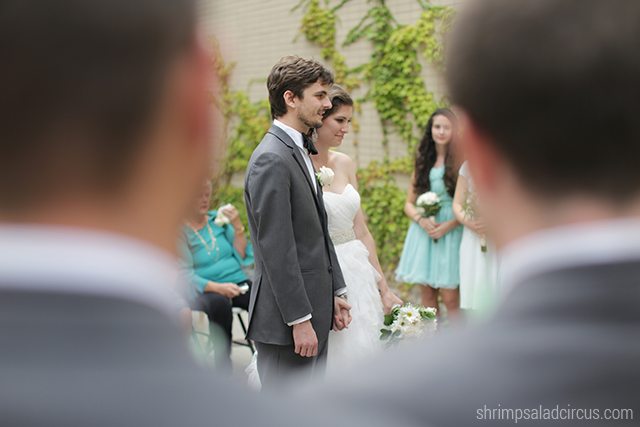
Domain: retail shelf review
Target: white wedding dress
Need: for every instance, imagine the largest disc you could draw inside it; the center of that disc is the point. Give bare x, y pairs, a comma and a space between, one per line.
362, 337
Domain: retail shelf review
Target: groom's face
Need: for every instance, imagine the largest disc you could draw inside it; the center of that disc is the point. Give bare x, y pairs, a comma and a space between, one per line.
313, 103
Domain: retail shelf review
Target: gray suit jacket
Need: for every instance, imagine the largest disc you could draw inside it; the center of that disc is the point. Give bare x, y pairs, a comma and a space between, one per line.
70, 360
297, 271
566, 337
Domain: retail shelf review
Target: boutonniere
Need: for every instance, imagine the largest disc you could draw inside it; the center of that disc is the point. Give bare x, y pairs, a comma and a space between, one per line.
325, 176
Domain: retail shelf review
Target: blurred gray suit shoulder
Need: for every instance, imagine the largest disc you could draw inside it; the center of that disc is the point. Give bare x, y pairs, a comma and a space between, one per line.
568, 338
81, 360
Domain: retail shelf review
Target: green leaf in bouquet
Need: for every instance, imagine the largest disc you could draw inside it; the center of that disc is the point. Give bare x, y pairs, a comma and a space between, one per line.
427, 314
431, 210
389, 318
385, 334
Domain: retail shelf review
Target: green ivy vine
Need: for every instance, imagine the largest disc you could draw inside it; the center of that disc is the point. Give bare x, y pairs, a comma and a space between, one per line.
244, 127
383, 203
396, 86
319, 27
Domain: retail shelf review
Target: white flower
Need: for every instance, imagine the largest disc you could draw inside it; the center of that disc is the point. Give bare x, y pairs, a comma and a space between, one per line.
395, 326
325, 176
409, 321
221, 218
412, 330
427, 199
429, 311
410, 314
428, 205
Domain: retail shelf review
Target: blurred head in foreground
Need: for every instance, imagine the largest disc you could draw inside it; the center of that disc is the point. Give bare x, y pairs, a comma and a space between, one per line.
103, 114
549, 93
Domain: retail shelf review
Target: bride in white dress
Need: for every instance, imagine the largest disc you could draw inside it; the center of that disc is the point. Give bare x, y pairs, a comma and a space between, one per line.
367, 289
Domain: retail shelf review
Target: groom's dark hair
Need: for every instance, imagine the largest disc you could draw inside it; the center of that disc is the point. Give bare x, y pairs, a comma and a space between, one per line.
295, 74
555, 84
79, 82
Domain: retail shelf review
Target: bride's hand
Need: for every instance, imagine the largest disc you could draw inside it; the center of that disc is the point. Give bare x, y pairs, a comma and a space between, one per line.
389, 299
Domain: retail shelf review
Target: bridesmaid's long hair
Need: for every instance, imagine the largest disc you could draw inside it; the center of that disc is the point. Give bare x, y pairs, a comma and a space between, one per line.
426, 157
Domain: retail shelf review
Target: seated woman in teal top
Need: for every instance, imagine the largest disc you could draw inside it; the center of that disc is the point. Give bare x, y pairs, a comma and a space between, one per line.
213, 257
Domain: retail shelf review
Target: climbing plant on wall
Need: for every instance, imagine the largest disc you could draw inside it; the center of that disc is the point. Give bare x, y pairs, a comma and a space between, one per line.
245, 120
244, 126
319, 27
393, 74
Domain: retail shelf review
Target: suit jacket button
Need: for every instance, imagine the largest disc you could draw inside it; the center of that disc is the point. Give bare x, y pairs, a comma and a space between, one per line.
330, 269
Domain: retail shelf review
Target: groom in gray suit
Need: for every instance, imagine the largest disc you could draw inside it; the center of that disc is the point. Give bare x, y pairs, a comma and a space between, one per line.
299, 292
548, 93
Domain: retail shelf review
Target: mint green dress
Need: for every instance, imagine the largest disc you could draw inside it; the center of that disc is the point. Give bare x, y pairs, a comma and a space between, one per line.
424, 261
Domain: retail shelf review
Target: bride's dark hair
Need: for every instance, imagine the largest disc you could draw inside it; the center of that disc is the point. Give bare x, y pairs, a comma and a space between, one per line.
426, 157
338, 97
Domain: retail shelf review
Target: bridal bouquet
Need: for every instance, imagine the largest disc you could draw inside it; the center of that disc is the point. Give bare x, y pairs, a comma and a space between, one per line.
408, 320
428, 205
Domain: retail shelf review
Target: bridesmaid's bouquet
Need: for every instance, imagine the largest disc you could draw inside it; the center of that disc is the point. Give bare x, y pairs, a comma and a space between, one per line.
470, 211
408, 320
428, 205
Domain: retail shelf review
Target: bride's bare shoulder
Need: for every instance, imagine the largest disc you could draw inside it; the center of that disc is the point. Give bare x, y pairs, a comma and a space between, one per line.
341, 161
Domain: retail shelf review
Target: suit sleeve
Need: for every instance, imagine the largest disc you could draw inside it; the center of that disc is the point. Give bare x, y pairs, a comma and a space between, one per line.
268, 188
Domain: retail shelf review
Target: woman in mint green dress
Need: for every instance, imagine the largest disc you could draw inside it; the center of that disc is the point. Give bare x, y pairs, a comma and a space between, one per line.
431, 252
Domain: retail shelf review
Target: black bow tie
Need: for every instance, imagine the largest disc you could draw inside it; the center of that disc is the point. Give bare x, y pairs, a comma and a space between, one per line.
307, 143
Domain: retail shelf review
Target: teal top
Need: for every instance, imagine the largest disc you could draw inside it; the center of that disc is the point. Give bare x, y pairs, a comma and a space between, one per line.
438, 186
218, 262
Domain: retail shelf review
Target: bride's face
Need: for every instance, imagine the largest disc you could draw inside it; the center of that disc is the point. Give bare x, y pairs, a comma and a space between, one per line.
336, 126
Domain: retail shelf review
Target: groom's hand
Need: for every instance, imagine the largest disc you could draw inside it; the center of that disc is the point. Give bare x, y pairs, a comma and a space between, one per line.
305, 339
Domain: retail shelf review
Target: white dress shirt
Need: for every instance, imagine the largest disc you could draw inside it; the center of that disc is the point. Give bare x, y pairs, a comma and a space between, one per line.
297, 139
83, 261
596, 242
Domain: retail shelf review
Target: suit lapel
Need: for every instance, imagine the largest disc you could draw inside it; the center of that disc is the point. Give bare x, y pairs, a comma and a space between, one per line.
295, 151
303, 166
317, 195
